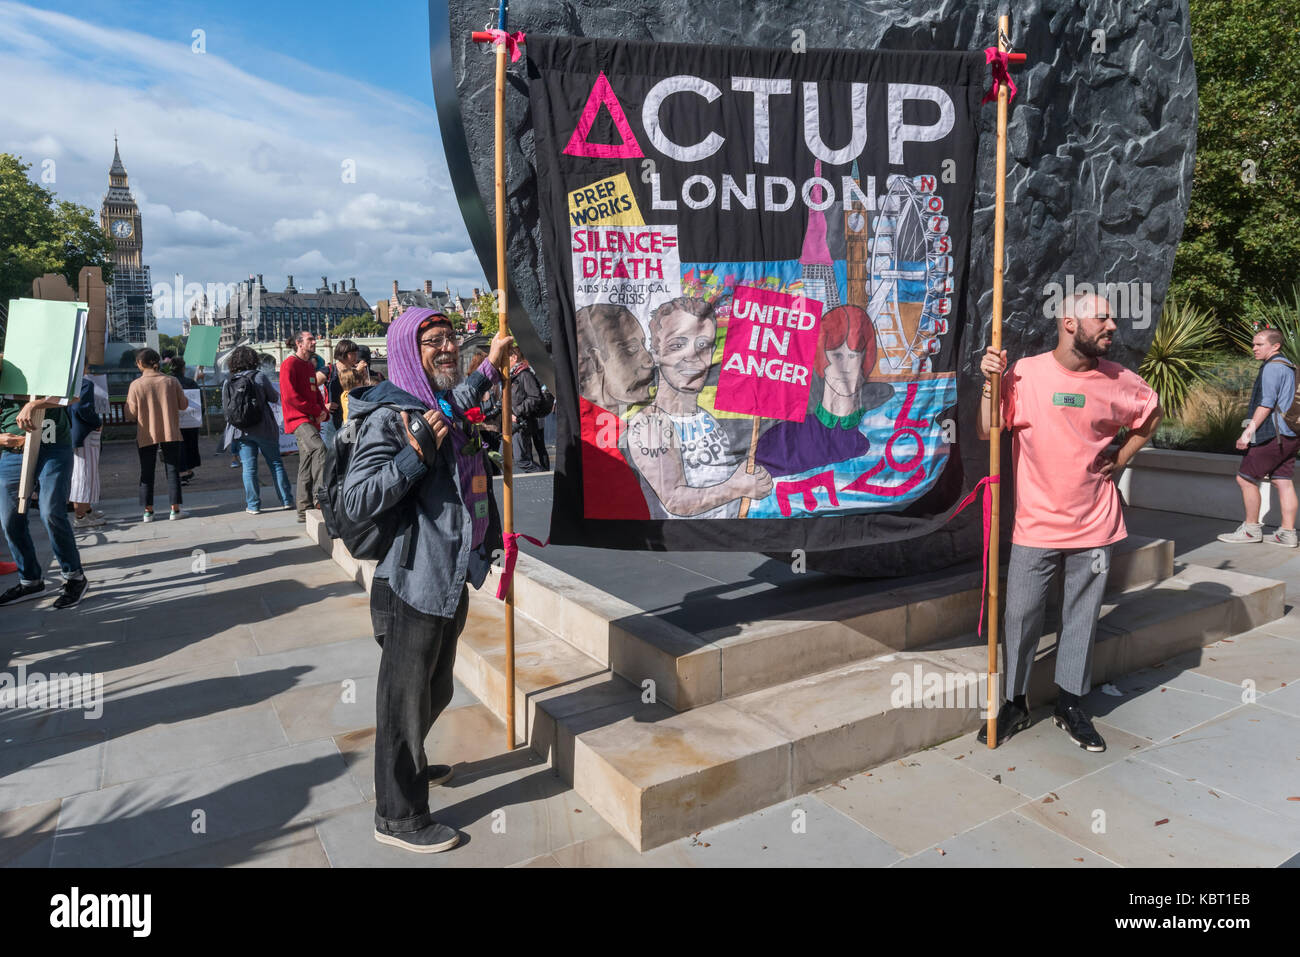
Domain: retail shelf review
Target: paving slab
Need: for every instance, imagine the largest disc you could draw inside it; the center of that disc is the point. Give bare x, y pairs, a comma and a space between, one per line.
27, 834
513, 810
803, 832
1157, 818
1157, 713
920, 800
1040, 758
1261, 657
296, 845
192, 744
52, 768
321, 664
141, 820
1286, 700
1252, 753
1009, 840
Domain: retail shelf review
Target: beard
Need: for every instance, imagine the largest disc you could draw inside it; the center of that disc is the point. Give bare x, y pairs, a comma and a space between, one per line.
445, 375
1092, 348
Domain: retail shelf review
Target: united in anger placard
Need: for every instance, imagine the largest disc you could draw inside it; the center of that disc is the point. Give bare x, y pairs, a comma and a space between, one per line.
757, 263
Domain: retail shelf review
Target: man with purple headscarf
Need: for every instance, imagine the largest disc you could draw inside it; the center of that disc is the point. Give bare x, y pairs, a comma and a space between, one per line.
417, 452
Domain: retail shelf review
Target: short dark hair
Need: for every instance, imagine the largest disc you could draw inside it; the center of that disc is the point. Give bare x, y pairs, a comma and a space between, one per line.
148, 358
243, 359
343, 347
1272, 336
297, 336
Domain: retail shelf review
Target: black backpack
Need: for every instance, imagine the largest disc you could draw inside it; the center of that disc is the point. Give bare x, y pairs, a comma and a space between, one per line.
372, 536
242, 401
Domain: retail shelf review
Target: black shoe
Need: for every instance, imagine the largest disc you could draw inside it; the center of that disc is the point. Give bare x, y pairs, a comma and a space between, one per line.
73, 591
1011, 719
21, 592
1074, 722
302, 518
430, 839
438, 774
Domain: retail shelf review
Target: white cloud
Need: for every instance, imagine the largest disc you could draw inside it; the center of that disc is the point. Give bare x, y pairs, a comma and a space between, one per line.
236, 174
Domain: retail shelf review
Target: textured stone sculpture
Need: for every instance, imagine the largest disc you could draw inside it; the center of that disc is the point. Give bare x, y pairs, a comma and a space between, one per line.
1101, 146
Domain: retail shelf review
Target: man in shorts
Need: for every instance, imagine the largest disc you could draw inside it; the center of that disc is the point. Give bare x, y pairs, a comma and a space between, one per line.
1269, 443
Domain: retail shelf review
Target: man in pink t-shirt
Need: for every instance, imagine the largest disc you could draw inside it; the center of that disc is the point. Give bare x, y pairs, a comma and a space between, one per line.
1064, 408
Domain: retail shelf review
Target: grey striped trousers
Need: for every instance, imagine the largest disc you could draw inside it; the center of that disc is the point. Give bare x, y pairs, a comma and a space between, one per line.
1029, 582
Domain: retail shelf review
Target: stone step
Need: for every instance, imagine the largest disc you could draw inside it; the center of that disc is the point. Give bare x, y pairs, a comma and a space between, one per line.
657, 775
692, 669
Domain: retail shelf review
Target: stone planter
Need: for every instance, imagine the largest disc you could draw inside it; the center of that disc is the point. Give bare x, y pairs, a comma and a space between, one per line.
1194, 483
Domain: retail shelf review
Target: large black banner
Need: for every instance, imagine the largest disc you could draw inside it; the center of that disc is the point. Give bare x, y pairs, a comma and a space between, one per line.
757, 263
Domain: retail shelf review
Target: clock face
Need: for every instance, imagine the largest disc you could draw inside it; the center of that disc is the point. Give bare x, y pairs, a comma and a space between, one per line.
856, 221
122, 228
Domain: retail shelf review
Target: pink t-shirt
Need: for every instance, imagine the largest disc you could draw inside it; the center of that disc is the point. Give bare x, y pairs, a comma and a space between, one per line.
1060, 421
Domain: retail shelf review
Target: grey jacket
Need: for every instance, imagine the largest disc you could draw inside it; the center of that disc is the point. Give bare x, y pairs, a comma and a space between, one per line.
266, 428
431, 557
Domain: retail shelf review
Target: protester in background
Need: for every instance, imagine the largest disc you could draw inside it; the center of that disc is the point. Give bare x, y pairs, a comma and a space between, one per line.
304, 413
525, 404
246, 399
346, 358
190, 459
54, 478
1064, 409
375, 375
422, 460
1269, 443
349, 379
491, 409
86, 429
154, 402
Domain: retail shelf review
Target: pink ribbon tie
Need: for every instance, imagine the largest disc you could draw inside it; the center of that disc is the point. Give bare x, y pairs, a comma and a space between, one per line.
981, 486
511, 543
511, 41
1001, 74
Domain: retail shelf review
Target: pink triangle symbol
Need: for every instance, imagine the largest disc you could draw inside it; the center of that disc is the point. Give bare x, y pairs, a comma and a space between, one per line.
603, 93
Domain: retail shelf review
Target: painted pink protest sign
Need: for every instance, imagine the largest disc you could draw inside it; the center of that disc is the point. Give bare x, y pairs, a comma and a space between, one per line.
767, 362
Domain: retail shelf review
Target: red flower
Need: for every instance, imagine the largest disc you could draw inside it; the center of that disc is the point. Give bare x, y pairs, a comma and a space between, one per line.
474, 415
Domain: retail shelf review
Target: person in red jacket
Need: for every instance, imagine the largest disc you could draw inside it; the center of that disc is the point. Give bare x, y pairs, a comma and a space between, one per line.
304, 411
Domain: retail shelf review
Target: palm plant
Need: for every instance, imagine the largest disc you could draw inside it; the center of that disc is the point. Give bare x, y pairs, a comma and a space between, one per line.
1277, 313
1181, 353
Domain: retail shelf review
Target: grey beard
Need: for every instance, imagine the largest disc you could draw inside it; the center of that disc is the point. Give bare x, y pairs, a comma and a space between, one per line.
442, 381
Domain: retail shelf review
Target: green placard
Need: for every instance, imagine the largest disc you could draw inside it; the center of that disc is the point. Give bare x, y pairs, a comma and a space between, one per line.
44, 348
201, 346
1073, 400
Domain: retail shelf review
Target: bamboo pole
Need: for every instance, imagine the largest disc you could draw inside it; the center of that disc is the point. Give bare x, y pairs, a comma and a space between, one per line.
507, 428
995, 403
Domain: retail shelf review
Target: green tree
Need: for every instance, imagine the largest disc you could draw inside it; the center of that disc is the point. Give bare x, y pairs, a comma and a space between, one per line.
1240, 244
39, 234
358, 327
488, 320
175, 344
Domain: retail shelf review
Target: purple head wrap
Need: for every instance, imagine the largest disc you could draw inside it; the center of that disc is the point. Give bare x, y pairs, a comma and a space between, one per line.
404, 367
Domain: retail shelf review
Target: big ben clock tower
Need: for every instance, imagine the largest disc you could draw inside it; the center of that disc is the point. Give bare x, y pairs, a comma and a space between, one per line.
131, 294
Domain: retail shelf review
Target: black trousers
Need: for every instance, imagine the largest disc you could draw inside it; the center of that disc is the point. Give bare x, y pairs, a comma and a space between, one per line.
415, 685
171, 456
530, 440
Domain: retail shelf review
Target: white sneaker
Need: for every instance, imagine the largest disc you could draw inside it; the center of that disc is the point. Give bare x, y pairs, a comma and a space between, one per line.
1244, 534
148, 517
1286, 537
89, 520
174, 514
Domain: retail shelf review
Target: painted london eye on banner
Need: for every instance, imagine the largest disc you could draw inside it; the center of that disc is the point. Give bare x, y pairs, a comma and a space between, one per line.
757, 263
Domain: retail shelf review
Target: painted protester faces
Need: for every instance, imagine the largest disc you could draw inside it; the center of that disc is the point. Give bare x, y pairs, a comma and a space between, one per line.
682, 455
846, 355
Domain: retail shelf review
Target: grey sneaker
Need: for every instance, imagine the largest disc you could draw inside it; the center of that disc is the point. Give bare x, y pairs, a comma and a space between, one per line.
1244, 534
430, 839
1286, 537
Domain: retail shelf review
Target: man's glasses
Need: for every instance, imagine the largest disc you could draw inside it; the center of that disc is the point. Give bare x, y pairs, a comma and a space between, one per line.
440, 342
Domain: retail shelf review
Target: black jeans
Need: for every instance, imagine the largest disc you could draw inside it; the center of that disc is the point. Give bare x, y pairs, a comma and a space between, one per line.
415, 685
171, 454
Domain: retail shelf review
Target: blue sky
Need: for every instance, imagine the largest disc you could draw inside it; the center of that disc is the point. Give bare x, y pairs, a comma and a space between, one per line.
237, 155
